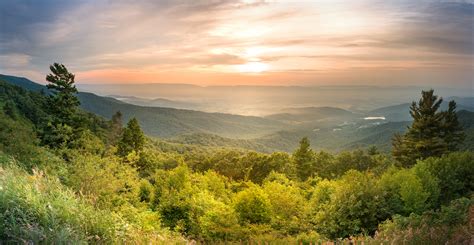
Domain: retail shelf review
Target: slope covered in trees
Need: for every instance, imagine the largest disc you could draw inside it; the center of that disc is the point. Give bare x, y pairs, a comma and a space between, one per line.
112, 184
172, 122
328, 128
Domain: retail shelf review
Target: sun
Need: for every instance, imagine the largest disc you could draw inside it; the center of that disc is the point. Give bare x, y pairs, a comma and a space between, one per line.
253, 67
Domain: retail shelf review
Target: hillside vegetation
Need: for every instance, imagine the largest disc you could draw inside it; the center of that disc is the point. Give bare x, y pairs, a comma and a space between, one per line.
167, 122
67, 175
328, 128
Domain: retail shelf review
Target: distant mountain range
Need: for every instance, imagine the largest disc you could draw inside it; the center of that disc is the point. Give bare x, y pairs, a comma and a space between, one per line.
313, 114
167, 122
158, 102
329, 128
265, 100
402, 112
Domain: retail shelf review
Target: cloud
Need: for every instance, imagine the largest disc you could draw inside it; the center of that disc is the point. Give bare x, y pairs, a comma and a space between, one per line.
203, 36
446, 27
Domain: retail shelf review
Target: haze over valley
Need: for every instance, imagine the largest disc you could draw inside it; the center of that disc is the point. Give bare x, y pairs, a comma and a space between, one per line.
293, 114
264, 100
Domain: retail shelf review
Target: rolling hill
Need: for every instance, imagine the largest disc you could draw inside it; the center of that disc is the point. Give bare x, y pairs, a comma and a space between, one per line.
328, 128
168, 122
312, 114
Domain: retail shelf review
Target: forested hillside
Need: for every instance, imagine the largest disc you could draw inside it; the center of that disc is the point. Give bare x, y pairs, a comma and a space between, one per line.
328, 128
69, 176
166, 122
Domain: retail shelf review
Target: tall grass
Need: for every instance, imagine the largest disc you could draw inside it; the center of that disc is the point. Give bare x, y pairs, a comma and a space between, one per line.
35, 208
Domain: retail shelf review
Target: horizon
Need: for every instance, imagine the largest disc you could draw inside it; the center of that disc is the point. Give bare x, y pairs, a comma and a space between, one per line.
249, 85
251, 43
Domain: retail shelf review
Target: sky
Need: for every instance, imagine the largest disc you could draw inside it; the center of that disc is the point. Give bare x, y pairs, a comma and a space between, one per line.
319, 42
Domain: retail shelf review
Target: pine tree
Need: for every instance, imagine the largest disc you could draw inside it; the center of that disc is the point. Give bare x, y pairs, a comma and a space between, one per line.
132, 139
303, 159
63, 102
453, 131
432, 133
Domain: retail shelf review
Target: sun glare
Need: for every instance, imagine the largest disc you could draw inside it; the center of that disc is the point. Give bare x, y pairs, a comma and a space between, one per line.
253, 67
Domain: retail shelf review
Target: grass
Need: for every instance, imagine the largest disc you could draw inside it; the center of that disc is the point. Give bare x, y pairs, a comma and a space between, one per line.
35, 208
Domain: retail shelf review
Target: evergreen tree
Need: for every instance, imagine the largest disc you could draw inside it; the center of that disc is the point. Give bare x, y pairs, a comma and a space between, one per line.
453, 131
303, 159
432, 133
63, 102
132, 139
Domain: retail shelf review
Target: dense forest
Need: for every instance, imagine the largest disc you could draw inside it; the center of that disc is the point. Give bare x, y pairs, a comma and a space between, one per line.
70, 176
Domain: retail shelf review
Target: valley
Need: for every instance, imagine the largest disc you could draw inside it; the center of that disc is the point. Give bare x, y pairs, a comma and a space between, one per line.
329, 128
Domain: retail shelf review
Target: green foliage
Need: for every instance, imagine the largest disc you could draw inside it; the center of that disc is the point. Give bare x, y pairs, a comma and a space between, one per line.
105, 181
10, 110
288, 205
220, 222
63, 105
455, 173
303, 160
146, 192
452, 129
432, 133
212, 193
347, 206
30, 105
253, 206
35, 208
132, 139
409, 190
63, 102
450, 225
115, 129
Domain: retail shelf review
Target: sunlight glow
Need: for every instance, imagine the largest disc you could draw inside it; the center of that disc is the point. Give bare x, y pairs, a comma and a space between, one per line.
253, 67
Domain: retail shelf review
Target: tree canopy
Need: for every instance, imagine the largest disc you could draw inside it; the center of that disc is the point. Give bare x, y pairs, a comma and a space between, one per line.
432, 133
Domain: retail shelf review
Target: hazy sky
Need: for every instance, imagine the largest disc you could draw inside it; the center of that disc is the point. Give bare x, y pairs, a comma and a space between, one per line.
326, 42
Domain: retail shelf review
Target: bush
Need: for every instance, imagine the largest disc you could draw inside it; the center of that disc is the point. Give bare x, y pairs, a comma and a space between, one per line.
455, 173
253, 206
348, 206
450, 225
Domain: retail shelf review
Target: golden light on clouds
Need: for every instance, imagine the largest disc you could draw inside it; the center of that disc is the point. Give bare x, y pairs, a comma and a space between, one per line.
300, 42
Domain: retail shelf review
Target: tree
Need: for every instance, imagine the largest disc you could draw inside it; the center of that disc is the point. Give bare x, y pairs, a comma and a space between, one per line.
432, 133
115, 128
287, 202
350, 205
63, 102
303, 159
455, 172
253, 206
60, 129
453, 131
10, 109
132, 139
